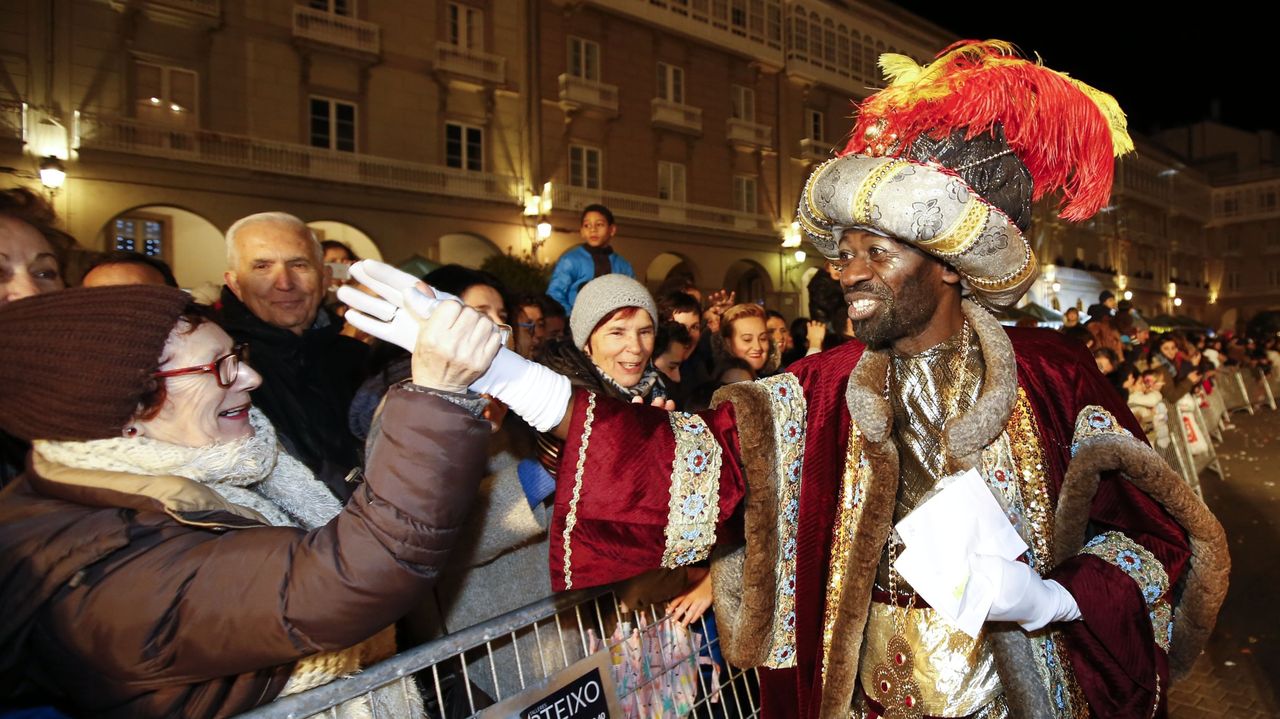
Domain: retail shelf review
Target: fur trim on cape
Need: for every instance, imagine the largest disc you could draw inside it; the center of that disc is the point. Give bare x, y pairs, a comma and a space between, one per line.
864, 556
1204, 586
745, 583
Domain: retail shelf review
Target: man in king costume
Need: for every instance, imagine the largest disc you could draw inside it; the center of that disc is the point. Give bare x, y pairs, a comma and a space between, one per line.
792, 485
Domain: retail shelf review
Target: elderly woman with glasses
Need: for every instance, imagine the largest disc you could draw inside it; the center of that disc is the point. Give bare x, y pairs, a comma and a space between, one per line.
162, 557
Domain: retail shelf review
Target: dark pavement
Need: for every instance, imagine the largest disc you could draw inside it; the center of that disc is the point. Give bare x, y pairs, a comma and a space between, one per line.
1239, 673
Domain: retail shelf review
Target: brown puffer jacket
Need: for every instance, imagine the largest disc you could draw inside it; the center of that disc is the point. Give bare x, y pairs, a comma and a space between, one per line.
159, 602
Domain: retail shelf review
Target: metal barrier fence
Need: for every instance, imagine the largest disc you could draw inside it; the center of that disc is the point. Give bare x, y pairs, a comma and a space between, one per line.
1234, 393
462, 674
1261, 386
1174, 448
1215, 414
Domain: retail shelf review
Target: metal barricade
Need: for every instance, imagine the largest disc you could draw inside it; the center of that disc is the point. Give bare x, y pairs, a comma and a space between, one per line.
1215, 413
1173, 447
456, 674
1234, 394
1266, 395
1208, 459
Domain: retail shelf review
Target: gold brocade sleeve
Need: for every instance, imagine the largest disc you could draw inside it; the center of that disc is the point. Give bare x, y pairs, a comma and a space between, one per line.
695, 492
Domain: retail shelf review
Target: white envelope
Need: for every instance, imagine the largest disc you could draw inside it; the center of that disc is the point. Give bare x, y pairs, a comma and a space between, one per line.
961, 520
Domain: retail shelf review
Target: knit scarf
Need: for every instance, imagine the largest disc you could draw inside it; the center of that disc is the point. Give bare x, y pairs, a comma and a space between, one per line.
648, 383
252, 472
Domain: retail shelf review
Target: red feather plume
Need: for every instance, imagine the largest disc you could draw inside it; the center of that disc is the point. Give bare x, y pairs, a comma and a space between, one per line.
1065, 132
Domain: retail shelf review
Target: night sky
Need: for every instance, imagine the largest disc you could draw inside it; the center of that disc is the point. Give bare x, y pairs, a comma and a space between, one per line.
1167, 68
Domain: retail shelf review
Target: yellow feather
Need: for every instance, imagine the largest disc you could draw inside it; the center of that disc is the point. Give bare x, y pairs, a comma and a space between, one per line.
1121, 143
899, 68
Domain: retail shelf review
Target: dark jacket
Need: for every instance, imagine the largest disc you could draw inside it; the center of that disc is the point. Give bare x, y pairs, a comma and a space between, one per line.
308, 381
151, 597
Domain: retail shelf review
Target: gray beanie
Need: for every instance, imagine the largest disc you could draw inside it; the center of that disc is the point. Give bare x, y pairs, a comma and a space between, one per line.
603, 295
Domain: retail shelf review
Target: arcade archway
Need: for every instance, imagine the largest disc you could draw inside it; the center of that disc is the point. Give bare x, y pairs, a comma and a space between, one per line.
191, 245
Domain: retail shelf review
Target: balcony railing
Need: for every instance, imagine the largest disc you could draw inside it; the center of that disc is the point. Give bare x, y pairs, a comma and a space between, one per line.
576, 92
471, 64
640, 207
815, 150
249, 153
340, 31
749, 134
677, 116
1248, 202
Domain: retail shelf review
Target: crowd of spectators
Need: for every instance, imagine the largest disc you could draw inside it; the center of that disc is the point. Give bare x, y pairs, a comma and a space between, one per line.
321, 393
1155, 369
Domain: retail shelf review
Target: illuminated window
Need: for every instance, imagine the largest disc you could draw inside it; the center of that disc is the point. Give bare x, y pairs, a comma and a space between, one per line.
144, 234
165, 95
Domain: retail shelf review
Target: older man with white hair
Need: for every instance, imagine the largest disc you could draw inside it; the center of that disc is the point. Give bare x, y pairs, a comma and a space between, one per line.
275, 283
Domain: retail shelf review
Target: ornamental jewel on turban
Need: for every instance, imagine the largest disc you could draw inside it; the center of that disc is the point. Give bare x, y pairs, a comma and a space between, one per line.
950, 156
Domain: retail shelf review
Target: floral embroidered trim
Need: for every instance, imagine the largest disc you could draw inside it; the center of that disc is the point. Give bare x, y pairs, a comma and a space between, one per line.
786, 399
695, 492
960, 237
848, 517
571, 520
1144, 569
864, 195
1054, 669
1013, 467
1094, 421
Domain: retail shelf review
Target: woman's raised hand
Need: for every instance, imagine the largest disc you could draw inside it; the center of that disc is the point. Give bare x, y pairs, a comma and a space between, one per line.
454, 348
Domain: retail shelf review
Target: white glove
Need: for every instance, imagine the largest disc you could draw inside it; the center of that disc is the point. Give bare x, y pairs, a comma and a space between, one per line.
538, 395
1021, 595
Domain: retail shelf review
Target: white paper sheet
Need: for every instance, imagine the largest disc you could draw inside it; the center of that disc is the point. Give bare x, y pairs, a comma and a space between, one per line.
961, 520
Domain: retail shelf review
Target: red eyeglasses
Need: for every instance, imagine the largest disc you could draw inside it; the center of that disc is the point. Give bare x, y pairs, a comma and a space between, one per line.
224, 369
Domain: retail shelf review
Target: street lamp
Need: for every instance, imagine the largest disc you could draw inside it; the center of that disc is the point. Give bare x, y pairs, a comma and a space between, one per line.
791, 235
53, 174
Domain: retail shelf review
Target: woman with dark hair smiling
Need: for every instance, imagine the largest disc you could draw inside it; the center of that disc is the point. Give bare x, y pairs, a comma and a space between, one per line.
31, 248
31, 263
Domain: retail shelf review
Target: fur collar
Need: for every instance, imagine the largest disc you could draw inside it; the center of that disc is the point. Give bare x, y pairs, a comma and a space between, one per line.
965, 435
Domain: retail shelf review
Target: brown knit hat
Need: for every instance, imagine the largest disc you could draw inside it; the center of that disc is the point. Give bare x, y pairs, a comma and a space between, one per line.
75, 363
